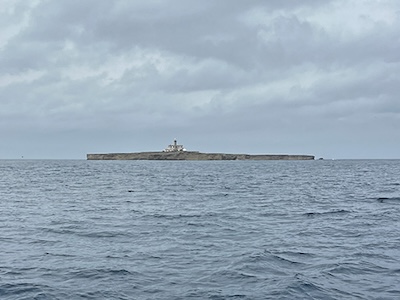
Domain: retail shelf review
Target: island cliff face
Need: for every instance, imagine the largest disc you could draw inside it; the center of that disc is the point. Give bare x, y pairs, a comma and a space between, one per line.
192, 155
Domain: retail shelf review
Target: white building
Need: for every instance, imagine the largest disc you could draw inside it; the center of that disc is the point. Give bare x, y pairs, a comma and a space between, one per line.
174, 147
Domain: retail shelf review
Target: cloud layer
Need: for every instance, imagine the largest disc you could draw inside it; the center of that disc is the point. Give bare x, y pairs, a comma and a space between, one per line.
319, 77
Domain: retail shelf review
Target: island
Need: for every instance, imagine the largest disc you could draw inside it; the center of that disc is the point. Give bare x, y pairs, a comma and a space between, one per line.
178, 152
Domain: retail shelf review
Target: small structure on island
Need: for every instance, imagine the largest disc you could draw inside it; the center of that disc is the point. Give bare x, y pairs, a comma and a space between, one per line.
174, 147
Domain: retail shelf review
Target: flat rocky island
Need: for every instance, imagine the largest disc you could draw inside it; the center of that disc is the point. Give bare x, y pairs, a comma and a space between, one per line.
178, 152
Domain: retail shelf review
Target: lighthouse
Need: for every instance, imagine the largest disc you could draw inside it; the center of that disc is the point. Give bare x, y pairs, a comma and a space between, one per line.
174, 147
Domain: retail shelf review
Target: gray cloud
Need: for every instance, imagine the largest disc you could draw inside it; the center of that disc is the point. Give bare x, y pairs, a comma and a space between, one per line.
254, 76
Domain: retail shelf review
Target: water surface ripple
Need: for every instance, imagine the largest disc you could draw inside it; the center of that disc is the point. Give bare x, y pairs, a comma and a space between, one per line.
200, 230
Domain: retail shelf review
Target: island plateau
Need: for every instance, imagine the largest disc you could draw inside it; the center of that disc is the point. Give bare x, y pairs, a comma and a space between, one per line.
178, 152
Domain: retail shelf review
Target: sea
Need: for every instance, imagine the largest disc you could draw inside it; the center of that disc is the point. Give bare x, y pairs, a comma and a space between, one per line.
78, 229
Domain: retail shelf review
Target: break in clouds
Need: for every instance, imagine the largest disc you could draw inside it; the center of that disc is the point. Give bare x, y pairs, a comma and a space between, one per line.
255, 76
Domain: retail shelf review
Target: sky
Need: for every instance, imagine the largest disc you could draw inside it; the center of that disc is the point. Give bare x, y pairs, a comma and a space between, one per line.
258, 77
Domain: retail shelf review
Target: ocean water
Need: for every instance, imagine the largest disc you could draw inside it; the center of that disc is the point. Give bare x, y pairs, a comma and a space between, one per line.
76, 229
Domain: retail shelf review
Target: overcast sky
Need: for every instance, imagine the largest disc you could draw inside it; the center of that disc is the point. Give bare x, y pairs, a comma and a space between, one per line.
237, 76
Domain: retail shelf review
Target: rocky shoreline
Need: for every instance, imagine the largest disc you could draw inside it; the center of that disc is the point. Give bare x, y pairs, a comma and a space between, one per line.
193, 155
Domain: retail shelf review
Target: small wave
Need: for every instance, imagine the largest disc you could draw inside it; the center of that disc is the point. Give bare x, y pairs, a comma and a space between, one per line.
79, 232
302, 287
22, 291
273, 258
104, 234
356, 269
331, 212
172, 216
197, 224
100, 273
267, 262
230, 274
388, 199
180, 216
297, 254
60, 254
283, 261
